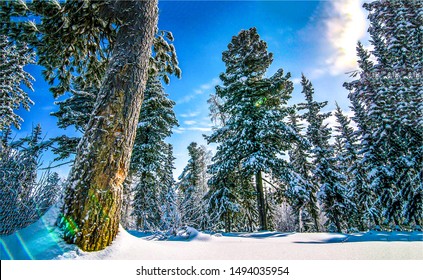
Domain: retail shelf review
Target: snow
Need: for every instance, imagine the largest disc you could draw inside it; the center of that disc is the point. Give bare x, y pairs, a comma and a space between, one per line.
42, 240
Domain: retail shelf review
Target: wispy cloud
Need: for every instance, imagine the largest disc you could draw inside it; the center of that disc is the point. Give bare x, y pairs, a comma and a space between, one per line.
180, 130
185, 99
209, 85
296, 81
201, 124
190, 122
202, 89
190, 114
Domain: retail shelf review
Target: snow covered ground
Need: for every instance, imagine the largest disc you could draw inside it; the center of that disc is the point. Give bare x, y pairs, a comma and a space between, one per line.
41, 240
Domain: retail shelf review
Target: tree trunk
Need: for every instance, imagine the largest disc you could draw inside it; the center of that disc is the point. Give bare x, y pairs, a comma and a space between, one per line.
337, 224
91, 211
260, 201
314, 213
300, 219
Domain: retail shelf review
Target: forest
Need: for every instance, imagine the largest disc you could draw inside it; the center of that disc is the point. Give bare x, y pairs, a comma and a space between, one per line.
277, 166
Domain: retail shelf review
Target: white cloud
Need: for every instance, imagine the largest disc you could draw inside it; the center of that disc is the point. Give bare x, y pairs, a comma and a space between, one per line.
205, 88
202, 89
190, 122
316, 73
185, 99
180, 130
296, 81
190, 114
203, 129
344, 26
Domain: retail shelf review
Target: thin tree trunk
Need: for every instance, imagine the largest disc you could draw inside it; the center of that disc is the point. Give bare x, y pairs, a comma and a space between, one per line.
314, 214
260, 201
316, 223
338, 224
91, 212
300, 219
137, 207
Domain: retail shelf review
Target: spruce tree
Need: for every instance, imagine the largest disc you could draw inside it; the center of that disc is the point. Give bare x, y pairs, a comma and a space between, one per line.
70, 40
170, 217
25, 196
192, 188
14, 56
149, 154
255, 135
76, 110
333, 194
301, 191
388, 97
347, 161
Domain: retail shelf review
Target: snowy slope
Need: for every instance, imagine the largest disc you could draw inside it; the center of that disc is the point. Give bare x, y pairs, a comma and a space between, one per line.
42, 240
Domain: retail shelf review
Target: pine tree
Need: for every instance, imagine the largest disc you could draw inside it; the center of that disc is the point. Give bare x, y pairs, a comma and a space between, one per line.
192, 187
226, 200
301, 191
91, 212
333, 194
149, 154
25, 197
255, 134
76, 110
14, 56
388, 97
170, 218
365, 193
69, 40
347, 161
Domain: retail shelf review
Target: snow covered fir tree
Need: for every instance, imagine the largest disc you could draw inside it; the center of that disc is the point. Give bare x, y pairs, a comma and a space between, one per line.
192, 187
274, 156
255, 135
387, 101
148, 179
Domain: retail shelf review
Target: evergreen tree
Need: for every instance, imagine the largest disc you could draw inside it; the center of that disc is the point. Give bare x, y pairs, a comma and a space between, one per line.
170, 218
150, 153
347, 160
229, 203
76, 110
301, 191
192, 187
231, 199
25, 198
14, 56
126, 219
333, 194
69, 39
388, 97
255, 134
365, 194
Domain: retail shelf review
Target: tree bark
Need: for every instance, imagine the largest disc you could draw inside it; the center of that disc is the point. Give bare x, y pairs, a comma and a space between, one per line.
91, 211
300, 219
260, 201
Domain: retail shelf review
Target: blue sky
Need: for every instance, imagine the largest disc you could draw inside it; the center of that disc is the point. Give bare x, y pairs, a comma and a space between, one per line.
317, 38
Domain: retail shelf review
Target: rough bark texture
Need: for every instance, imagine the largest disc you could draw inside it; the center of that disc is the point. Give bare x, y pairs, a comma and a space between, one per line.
91, 211
260, 201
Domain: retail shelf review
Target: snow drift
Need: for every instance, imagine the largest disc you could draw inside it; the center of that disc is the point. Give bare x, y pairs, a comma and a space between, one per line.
42, 241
